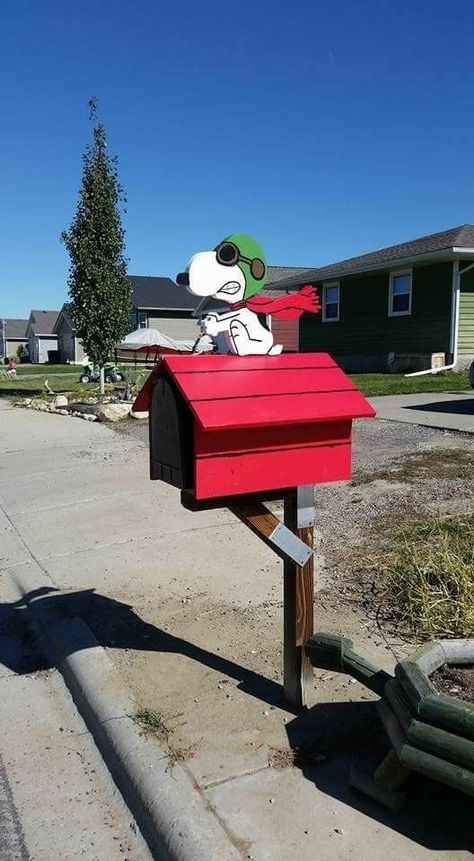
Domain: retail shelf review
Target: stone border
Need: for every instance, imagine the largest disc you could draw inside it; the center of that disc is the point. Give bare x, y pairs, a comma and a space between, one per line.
176, 820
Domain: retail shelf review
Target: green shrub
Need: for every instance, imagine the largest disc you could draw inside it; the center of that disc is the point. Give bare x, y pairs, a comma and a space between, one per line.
22, 353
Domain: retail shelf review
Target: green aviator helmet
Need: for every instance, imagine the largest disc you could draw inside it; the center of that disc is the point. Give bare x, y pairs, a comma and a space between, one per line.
241, 250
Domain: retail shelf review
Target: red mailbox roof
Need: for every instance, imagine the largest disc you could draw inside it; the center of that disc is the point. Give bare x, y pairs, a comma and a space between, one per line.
256, 391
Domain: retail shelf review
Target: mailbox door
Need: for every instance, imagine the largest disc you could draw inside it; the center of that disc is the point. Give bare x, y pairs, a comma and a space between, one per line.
171, 436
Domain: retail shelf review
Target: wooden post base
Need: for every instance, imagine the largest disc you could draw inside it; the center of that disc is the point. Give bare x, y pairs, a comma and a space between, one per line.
293, 542
298, 592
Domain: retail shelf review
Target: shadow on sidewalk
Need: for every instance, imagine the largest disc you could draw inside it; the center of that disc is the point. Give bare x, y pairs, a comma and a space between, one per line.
331, 737
18, 651
117, 626
325, 739
458, 407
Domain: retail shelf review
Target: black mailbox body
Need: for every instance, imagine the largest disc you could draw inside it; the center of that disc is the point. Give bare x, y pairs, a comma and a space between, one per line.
171, 436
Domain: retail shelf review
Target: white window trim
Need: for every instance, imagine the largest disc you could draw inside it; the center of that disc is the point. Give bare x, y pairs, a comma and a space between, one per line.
325, 287
394, 274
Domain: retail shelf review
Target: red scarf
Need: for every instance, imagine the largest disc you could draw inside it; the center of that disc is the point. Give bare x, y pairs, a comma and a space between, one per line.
290, 306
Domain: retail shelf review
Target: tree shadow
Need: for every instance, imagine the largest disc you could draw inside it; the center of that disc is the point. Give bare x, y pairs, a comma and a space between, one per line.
326, 739
458, 407
12, 392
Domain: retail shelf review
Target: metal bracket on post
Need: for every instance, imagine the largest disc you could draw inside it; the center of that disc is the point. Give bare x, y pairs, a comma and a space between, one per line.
266, 525
305, 506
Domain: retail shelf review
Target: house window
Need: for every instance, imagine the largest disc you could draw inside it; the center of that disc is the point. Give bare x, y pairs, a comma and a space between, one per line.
399, 301
142, 319
331, 303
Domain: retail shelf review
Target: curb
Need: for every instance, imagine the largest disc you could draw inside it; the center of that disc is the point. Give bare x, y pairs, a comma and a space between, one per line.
177, 822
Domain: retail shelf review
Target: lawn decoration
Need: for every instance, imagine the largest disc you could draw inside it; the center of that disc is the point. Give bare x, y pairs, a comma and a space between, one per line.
429, 732
239, 429
235, 273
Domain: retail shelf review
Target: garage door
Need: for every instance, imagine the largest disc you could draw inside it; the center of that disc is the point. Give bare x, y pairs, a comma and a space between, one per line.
179, 329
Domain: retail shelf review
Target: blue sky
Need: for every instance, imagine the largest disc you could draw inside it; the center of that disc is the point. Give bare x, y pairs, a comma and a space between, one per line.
325, 130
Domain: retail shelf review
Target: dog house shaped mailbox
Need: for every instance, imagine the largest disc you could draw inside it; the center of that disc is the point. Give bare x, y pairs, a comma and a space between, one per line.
223, 426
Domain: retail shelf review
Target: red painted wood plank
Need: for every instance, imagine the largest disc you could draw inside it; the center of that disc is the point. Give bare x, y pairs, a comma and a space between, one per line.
249, 473
232, 441
247, 384
194, 363
281, 409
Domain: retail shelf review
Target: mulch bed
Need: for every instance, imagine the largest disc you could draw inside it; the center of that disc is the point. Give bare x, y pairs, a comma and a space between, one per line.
455, 682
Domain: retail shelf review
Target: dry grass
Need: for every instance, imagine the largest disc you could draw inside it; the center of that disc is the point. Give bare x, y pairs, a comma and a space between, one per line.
444, 464
428, 578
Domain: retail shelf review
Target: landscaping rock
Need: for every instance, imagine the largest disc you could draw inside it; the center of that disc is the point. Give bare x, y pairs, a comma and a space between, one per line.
113, 412
60, 401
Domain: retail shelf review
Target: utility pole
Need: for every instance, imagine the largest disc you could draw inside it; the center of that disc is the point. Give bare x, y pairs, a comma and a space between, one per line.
4, 338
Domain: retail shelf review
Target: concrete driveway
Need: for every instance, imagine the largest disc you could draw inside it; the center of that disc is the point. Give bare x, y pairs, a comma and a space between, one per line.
453, 412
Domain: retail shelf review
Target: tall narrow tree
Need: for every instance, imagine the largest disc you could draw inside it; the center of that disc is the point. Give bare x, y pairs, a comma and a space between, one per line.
99, 289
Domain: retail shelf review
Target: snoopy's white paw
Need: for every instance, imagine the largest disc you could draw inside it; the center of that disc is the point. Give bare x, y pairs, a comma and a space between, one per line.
240, 338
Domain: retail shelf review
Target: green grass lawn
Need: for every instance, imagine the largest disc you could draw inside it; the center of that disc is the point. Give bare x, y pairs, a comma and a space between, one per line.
396, 384
29, 370
31, 385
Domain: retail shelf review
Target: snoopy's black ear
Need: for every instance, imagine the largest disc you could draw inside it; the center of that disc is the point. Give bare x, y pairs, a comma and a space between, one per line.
257, 268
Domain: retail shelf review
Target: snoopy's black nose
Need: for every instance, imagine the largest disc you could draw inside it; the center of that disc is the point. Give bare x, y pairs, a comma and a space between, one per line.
182, 279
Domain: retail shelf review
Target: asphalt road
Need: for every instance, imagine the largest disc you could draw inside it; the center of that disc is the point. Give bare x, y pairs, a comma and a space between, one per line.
57, 799
12, 841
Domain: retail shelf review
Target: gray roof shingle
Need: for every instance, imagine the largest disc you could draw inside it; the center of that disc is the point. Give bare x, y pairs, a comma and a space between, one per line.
42, 322
160, 293
282, 273
15, 328
446, 240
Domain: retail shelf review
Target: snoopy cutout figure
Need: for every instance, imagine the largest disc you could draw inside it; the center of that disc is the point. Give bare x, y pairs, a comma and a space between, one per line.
235, 273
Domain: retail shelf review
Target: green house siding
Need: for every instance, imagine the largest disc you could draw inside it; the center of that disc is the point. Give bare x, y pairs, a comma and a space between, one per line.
466, 314
366, 329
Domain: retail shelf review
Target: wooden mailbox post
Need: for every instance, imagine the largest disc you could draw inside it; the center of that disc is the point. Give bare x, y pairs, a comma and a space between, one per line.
234, 431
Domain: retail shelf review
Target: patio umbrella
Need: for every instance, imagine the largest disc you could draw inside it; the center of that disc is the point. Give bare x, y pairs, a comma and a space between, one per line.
151, 340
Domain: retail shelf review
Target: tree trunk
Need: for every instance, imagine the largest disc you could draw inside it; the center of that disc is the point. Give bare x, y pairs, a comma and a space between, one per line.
102, 381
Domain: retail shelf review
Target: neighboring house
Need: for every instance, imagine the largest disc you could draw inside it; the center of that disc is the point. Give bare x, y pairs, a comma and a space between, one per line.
41, 339
158, 303
69, 346
12, 336
407, 307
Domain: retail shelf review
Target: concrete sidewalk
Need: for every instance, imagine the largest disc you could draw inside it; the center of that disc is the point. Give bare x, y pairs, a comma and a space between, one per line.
453, 412
188, 607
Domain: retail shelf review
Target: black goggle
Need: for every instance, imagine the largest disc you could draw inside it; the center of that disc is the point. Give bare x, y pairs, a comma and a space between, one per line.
228, 254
